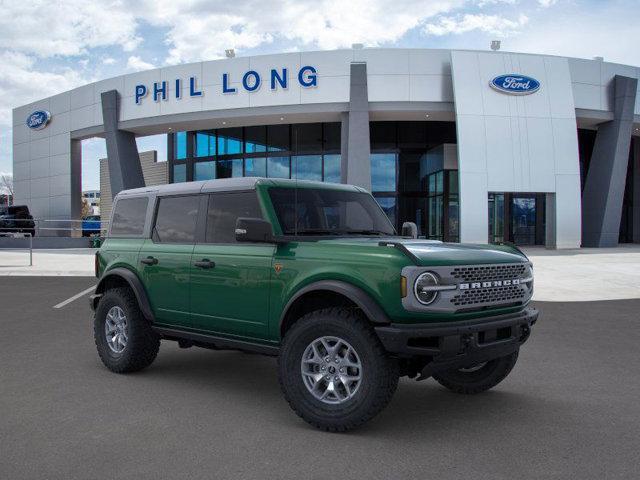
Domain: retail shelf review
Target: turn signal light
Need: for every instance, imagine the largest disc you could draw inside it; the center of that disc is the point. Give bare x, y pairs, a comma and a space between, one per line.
403, 286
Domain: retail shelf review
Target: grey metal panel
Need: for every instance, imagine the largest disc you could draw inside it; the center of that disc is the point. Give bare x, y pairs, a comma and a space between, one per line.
605, 183
125, 170
358, 171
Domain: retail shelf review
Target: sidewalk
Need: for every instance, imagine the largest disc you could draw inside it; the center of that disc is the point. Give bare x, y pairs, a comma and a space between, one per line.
586, 274
62, 262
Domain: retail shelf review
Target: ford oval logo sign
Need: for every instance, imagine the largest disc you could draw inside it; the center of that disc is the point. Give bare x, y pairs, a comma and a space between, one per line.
38, 119
515, 84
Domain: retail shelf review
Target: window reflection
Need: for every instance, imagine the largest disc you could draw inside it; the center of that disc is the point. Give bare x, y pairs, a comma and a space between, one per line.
255, 139
229, 141
332, 167
180, 146
306, 167
204, 171
205, 144
278, 167
383, 172
255, 167
229, 168
180, 173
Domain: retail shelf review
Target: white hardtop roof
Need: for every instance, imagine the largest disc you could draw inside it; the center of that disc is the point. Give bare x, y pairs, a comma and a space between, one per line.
223, 185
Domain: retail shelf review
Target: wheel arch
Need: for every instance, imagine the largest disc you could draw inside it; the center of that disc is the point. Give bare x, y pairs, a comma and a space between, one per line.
124, 277
336, 292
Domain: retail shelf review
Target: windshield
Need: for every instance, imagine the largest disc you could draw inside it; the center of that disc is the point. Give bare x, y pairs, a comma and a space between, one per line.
328, 212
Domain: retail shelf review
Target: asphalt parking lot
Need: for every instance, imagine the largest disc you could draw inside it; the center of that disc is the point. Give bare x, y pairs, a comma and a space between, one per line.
569, 409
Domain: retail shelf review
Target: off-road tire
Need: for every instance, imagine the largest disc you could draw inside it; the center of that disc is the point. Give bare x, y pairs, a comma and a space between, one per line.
142, 344
379, 371
480, 380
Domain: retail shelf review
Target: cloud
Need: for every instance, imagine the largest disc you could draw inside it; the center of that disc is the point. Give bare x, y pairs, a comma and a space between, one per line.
135, 63
491, 24
72, 27
547, 3
21, 83
108, 61
325, 24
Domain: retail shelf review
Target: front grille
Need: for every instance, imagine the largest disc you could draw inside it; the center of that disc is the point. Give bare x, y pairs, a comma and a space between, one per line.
488, 272
495, 295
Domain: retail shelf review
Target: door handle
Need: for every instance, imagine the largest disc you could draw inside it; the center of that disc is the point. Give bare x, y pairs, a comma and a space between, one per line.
204, 263
149, 260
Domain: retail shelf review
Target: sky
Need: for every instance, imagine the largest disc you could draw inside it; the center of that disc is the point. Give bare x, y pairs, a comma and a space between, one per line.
47, 47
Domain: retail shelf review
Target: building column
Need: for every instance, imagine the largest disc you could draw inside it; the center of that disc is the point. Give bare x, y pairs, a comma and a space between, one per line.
605, 183
125, 170
355, 143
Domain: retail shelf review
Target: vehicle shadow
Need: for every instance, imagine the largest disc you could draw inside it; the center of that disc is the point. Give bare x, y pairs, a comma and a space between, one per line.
416, 406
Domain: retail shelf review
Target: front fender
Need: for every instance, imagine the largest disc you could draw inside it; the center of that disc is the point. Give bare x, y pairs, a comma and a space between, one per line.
358, 296
134, 283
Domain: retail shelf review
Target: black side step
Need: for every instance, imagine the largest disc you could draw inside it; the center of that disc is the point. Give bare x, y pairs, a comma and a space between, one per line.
217, 342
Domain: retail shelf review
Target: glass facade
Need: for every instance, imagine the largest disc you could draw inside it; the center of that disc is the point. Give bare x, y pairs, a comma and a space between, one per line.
518, 218
410, 179
309, 151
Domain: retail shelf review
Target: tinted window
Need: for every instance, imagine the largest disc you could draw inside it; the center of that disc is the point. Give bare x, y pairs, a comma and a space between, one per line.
205, 144
128, 216
307, 167
180, 146
204, 170
224, 210
180, 173
176, 219
229, 141
311, 211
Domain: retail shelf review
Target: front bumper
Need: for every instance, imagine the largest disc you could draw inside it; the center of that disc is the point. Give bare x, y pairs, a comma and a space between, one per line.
459, 344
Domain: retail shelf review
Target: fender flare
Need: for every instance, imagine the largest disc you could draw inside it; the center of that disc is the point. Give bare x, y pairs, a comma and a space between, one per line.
134, 283
363, 300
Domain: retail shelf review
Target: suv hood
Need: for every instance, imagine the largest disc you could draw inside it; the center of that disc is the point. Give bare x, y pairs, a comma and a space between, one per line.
433, 253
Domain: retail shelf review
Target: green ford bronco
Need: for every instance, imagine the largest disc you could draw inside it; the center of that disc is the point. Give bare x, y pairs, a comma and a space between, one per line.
314, 274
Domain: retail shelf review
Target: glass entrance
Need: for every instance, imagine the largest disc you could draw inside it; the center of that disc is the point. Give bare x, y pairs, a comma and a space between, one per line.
517, 218
523, 220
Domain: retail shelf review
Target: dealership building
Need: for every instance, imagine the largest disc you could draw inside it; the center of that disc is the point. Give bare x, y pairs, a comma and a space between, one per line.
472, 146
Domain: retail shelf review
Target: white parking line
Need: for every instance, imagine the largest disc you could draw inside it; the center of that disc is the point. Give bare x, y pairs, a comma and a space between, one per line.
75, 297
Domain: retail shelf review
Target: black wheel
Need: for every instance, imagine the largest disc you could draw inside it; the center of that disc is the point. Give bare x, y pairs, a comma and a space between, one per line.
333, 370
124, 338
478, 378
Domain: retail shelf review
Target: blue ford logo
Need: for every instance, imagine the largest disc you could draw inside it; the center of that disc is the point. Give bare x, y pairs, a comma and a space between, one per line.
515, 84
38, 119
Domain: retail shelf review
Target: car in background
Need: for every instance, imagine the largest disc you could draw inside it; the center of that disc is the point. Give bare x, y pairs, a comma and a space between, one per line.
17, 219
91, 225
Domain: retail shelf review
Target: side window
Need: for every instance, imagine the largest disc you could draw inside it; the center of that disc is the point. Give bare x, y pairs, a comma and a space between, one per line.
224, 210
176, 219
129, 216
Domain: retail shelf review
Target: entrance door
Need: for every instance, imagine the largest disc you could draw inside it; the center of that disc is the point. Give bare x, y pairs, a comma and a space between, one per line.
523, 219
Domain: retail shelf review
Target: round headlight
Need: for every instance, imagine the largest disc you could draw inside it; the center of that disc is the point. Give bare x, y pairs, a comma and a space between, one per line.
423, 288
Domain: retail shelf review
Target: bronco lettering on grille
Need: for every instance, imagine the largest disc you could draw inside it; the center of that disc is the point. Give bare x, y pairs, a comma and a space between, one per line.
494, 283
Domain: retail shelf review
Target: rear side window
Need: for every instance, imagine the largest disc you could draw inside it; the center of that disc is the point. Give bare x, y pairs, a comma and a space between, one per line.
224, 209
176, 219
129, 216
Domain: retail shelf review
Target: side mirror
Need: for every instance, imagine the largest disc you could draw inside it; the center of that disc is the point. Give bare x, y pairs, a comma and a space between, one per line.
409, 229
255, 230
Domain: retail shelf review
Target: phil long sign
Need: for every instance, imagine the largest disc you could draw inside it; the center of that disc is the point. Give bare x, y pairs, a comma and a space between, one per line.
250, 81
515, 84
